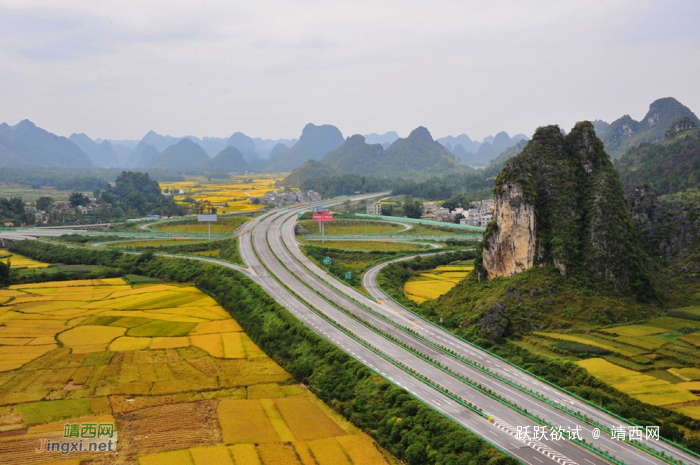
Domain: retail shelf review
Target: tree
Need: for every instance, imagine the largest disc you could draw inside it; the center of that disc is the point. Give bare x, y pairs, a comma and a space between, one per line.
5, 273
137, 194
17, 205
77, 199
44, 203
412, 208
416, 454
103, 212
387, 210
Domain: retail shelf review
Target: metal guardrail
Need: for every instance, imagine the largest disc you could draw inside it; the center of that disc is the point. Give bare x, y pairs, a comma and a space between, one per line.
120, 234
391, 237
422, 221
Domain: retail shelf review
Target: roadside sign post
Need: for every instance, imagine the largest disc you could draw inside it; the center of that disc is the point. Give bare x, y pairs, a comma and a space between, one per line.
208, 219
322, 215
348, 275
327, 261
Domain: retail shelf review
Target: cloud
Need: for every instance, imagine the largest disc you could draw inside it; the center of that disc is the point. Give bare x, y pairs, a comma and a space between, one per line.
119, 68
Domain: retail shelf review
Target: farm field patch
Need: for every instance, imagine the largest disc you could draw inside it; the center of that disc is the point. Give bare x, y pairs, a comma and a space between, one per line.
176, 374
352, 227
228, 196
152, 243
432, 284
18, 261
643, 387
656, 361
223, 225
368, 246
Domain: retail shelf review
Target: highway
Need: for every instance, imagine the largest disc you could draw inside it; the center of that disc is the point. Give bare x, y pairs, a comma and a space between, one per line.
503, 368
432, 364
259, 256
273, 241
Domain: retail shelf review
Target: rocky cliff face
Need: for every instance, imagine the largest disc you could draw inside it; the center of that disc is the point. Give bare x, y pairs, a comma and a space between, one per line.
669, 233
510, 249
560, 203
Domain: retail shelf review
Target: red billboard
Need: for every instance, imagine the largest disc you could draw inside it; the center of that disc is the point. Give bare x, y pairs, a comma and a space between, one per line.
322, 217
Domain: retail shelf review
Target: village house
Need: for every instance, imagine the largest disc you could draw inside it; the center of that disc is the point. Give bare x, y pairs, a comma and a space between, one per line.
374, 208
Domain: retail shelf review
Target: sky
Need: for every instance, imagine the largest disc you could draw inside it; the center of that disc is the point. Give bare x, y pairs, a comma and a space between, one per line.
117, 69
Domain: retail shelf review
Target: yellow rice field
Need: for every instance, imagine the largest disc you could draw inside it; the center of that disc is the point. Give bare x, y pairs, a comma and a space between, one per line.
18, 261
228, 196
163, 362
434, 283
686, 374
643, 387
693, 338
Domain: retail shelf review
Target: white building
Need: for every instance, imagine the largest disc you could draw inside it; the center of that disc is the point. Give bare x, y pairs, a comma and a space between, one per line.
374, 208
479, 214
429, 208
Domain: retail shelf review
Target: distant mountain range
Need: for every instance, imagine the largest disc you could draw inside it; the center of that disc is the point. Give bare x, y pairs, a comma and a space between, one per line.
625, 133
416, 155
101, 155
26, 145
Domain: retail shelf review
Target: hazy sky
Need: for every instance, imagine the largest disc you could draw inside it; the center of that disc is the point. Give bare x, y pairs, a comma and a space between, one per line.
116, 69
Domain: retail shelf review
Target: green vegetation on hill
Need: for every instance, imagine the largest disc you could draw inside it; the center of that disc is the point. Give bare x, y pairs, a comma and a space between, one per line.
582, 224
136, 194
312, 171
625, 133
354, 156
532, 300
420, 154
668, 166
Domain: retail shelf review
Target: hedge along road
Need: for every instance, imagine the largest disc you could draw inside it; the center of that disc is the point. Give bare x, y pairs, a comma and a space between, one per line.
502, 369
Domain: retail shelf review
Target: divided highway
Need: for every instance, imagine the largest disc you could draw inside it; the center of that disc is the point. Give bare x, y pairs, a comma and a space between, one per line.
445, 372
403, 338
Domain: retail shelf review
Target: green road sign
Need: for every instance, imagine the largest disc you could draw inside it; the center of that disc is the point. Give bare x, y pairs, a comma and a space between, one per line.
327, 261
348, 275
